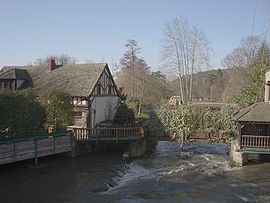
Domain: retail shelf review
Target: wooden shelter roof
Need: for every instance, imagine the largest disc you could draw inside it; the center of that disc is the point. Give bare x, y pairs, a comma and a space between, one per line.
258, 112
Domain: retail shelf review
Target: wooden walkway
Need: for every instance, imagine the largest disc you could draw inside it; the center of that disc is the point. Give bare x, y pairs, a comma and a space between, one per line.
18, 149
109, 134
33, 147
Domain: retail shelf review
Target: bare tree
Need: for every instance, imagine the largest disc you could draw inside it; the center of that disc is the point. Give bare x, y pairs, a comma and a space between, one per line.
114, 67
62, 59
185, 50
239, 62
134, 83
243, 56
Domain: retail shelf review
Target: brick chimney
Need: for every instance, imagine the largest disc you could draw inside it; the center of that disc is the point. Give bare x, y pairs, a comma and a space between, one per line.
51, 64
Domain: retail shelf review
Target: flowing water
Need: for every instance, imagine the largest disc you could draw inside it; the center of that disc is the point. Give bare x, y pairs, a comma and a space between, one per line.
192, 173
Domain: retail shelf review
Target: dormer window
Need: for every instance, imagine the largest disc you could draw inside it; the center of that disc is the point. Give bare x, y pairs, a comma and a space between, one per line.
14, 79
7, 84
267, 89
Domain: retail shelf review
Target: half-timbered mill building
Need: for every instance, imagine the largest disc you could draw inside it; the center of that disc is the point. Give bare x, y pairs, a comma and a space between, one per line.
91, 86
253, 125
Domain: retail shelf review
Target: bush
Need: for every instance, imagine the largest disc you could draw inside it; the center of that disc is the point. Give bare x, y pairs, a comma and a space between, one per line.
20, 112
178, 121
134, 104
58, 109
186, 119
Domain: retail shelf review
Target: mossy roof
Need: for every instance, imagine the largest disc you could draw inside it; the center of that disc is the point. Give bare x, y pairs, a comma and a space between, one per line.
14, 73
258, 112
75, 79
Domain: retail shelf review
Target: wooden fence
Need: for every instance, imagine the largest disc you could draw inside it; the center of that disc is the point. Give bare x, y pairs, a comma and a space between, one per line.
109, 134
198, 137
255, 141
18, 149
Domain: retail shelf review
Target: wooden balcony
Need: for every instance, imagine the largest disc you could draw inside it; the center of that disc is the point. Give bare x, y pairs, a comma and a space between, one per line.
255, 141
109, 134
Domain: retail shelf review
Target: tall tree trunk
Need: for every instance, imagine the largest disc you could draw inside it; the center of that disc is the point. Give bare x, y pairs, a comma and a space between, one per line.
187, 72
181, 89
191, 85
179, 73
191, 75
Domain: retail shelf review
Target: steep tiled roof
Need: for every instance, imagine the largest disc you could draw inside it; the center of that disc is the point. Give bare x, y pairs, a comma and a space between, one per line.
259, 112
75, 79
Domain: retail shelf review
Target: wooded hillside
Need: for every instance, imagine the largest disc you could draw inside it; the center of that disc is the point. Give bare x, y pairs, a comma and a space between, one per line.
215, 85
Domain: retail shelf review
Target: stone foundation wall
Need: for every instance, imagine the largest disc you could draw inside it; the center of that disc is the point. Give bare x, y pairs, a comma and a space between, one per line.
84, 148
139, 148
238, 157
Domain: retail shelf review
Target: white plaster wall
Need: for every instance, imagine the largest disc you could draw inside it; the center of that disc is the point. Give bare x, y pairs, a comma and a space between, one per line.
19, 83
267, 89
103, 108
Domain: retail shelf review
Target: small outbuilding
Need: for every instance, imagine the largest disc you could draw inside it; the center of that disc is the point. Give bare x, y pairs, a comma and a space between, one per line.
253, 125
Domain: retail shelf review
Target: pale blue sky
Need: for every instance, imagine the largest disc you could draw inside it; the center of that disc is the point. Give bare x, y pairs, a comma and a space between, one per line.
97, 30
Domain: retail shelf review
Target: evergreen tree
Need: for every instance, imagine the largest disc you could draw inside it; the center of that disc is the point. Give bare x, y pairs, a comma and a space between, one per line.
133, 75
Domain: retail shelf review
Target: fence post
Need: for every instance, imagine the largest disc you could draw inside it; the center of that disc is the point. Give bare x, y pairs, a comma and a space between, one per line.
72, 145
36, 152
116, 135
239, 136
14, 151
53, 144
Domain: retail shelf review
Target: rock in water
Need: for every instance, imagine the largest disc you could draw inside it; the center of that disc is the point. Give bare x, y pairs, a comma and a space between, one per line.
186, 154
125, 155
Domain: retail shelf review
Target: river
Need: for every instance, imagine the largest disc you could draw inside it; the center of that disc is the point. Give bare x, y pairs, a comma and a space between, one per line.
192, 173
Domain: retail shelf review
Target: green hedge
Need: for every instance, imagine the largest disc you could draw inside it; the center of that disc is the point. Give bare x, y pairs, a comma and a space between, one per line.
20, 113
